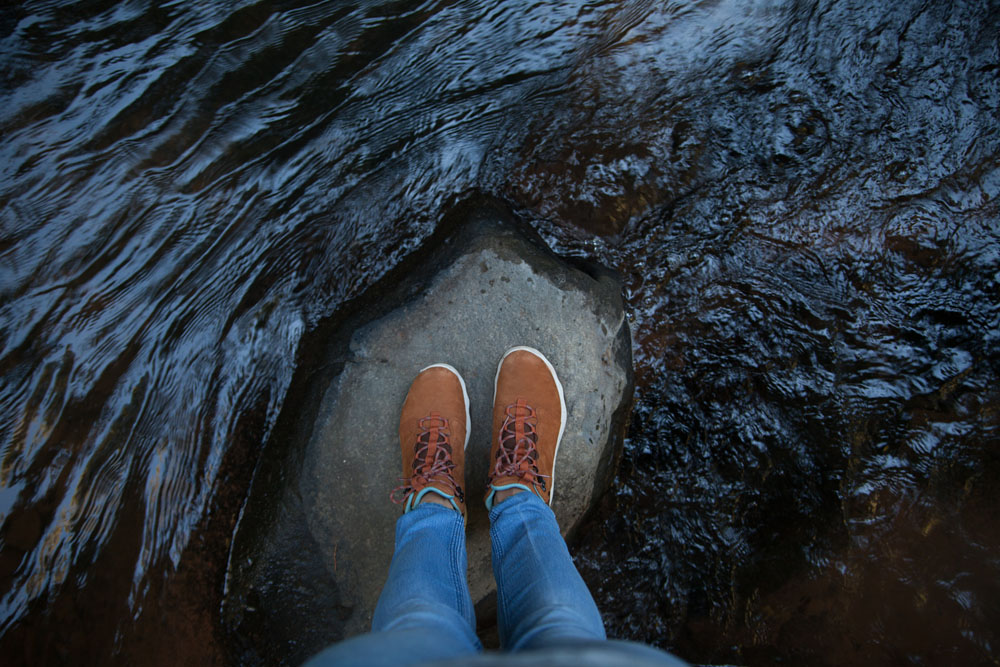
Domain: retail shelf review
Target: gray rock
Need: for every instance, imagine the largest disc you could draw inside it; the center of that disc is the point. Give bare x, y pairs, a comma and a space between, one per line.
489, 285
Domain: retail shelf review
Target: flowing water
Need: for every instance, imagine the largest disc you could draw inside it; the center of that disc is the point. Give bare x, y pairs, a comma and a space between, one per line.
802, 199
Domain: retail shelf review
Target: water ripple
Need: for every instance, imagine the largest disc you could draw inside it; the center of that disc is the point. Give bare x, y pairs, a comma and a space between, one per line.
801, 198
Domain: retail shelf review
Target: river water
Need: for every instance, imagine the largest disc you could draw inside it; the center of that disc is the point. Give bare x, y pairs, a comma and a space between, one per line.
802, 199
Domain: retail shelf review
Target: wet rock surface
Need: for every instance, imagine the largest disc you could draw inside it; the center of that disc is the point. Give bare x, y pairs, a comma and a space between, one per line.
802, 198
316, 540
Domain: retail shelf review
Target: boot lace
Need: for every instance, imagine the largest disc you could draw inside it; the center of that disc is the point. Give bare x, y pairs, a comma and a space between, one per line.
517, 455
432, 461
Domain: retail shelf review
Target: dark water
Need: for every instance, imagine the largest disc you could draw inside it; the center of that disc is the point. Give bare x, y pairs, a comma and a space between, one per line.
802, 198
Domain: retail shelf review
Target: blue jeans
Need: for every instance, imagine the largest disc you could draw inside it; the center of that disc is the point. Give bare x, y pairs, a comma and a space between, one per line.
425, 613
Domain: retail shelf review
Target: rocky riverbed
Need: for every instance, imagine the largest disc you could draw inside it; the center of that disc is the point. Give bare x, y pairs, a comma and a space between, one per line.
801, 199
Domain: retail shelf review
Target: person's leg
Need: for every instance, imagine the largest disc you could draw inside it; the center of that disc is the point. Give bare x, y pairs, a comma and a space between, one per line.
427, 586
541, 599
425, 611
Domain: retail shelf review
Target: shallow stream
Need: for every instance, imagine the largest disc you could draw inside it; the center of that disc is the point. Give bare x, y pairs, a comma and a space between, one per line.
802, 199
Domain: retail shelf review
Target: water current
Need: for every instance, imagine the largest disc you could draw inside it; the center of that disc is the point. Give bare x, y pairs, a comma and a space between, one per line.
801, 197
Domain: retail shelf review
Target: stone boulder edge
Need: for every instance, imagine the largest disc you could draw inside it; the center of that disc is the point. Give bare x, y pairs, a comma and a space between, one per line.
316, 537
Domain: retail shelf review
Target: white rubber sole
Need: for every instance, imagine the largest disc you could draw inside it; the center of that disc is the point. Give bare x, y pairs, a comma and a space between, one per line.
465, 395
562, 405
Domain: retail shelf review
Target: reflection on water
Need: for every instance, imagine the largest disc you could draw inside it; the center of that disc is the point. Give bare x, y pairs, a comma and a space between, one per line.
801, 196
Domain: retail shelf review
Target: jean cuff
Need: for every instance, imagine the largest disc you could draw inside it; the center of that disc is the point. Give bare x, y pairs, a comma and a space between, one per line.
516, 500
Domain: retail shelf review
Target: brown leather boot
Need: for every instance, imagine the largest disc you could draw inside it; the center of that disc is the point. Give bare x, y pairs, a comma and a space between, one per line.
433, 434
529, 417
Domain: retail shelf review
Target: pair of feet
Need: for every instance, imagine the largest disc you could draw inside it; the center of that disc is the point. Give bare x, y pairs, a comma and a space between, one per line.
529, 416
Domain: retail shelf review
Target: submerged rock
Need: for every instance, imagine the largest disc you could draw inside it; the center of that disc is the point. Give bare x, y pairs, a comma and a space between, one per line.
316, 537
